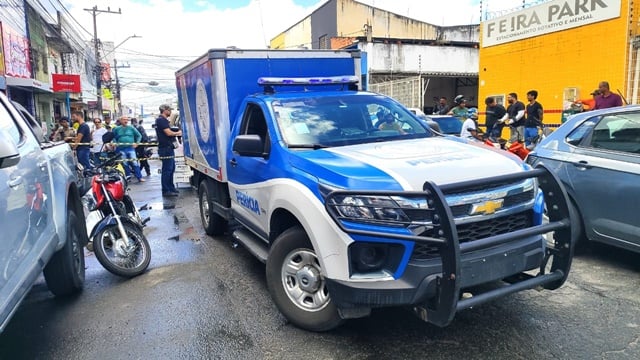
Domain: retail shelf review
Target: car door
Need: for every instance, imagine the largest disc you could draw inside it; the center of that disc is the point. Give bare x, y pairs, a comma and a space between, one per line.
605, 173
24, 188
248, 175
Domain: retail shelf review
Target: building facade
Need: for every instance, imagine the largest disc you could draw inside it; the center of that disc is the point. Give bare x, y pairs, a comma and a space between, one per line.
410, 60
35, 45
562, 49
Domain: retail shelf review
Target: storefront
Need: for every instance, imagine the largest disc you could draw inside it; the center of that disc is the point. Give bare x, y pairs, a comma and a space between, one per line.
562, 49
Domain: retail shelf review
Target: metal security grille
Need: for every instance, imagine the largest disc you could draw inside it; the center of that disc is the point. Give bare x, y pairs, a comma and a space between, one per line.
407, 91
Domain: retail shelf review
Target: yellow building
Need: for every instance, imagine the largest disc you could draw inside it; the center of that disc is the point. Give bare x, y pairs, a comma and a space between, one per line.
562, 49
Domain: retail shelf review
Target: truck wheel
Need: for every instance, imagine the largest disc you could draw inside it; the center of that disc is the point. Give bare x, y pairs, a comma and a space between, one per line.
296, 283
64, 273
213, 223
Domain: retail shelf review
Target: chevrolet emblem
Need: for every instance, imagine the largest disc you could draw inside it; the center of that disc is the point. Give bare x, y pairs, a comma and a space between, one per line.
487, 207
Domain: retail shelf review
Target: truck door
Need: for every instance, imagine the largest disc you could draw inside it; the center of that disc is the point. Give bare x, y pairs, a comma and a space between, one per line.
24, 189
248, 176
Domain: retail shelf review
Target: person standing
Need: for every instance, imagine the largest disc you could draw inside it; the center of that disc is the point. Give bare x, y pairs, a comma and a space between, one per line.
165, 150
515, 110
141, 149
496, 114
460, 110
64, 132
96, 135
107, 123
607, 99
533, 122
82, 140
127, 138
441, 108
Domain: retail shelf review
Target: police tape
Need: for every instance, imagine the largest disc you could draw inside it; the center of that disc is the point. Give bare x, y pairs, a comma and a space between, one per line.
116, 144
142, 159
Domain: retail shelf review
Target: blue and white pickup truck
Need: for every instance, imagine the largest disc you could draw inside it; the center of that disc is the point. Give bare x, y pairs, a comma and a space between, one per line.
351, 201
41, 214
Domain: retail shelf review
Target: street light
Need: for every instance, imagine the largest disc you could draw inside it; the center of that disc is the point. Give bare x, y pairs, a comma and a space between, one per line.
134, 36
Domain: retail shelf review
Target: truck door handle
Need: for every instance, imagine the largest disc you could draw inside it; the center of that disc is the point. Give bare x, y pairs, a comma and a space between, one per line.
233, 162
42, 165
583, 164
13, 183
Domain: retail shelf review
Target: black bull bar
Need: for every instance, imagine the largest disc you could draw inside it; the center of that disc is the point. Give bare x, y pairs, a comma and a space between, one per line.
441, 310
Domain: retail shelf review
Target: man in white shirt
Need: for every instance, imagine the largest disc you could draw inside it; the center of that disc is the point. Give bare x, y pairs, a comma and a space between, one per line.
470, 130
97, 133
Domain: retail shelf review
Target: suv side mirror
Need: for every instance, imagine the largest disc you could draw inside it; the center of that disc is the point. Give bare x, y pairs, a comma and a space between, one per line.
249, 145
9, 155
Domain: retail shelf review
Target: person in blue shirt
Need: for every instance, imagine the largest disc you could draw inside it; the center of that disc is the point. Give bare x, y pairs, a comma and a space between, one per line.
127, 138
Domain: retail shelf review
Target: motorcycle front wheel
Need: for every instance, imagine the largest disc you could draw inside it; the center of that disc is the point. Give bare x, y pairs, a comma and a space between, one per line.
126, 259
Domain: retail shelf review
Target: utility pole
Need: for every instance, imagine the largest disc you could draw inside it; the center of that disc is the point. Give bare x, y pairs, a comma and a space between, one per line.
117, 89
95, 11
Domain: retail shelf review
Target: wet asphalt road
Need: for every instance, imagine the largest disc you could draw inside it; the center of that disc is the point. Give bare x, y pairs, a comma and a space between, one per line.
204, 298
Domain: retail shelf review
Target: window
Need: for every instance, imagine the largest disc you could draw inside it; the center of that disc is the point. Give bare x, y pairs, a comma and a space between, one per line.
8, 125
618, 132
578, 135
499, 99
254, 123
322, 42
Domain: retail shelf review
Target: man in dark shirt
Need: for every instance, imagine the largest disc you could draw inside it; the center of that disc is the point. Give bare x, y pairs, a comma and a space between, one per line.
441, 107
533, 122
142, 149
495, 113
516, 117
165, 150
81, 142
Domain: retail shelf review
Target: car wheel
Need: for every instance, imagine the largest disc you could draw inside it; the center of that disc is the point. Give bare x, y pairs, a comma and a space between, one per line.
296, 283
578, 236
64, 273
213, 223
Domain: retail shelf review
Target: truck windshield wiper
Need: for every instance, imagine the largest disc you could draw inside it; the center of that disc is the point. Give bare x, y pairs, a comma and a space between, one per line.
306, 146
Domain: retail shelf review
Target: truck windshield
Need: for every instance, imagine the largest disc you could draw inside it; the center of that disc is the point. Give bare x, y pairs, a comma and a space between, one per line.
317, 122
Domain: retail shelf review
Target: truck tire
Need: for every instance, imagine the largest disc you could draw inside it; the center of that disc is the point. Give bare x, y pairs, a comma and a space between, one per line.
64, 273
296, 285
213, 223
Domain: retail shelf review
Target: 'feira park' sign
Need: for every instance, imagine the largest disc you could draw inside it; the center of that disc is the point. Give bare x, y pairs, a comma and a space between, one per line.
549, 17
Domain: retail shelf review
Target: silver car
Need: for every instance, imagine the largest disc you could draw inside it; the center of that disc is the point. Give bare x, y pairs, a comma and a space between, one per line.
596, 154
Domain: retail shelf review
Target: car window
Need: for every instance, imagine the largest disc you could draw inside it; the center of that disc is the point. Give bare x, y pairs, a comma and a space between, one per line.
618, 132
8, 125
579, 134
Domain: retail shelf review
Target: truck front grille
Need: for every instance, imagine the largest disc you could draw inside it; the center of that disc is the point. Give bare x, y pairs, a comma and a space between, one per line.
474, 231
509, 201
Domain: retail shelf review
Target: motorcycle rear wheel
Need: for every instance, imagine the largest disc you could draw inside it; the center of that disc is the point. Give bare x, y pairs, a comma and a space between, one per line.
126, 260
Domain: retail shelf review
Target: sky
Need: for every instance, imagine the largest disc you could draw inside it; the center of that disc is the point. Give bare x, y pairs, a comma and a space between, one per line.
175, 32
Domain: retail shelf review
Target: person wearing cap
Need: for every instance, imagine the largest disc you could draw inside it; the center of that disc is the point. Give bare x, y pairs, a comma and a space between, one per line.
587, 104
166, 137
64, 131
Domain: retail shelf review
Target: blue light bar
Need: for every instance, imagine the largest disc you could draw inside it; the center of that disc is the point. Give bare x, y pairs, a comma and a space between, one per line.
328, 80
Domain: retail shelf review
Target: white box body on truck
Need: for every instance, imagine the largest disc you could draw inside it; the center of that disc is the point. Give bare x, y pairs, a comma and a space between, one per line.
351, 201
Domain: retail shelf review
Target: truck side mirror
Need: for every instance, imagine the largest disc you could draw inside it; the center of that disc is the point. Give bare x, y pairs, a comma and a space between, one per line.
249, 145
9, 155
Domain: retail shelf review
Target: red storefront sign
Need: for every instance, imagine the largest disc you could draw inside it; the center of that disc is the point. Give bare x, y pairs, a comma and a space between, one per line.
66, 83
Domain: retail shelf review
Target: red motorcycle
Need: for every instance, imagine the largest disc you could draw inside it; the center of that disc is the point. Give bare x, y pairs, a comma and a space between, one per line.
117, 238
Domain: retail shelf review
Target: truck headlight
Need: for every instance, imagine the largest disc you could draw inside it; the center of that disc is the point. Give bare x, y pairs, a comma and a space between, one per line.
380, 209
